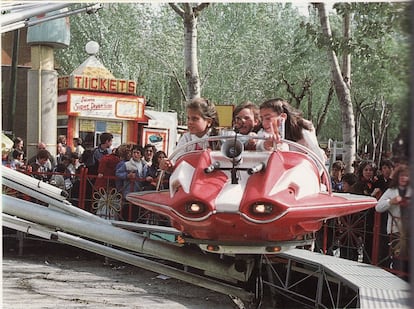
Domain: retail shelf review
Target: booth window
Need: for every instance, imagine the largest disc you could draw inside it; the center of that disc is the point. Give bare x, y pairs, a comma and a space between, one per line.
62, 125
91, 130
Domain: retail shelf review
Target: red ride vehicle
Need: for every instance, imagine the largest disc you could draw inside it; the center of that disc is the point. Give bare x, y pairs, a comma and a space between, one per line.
237, 201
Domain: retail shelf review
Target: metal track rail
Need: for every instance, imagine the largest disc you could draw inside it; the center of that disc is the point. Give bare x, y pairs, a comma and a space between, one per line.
62, 215
123, 256
128, 240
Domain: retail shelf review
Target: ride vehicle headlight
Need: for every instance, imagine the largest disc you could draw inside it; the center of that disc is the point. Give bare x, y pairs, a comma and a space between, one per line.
195, 208
262, 208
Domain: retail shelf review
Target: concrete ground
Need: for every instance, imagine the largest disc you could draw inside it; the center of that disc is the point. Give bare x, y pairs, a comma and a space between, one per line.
59, 276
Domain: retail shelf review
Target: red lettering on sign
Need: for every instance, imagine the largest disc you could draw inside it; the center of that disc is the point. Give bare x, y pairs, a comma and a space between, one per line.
103, 84
87, 99
122, 85
94, 83
81, 107
112, 85
77, 82
63, 82
131, 87
85, 82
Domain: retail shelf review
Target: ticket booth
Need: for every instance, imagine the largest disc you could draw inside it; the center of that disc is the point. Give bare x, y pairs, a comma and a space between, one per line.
88, 114
92, 101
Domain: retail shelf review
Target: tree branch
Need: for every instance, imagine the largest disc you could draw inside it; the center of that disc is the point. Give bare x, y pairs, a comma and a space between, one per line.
325, 109
305, 88
200, 7
177, 9
290, 90
188, 10
180, 86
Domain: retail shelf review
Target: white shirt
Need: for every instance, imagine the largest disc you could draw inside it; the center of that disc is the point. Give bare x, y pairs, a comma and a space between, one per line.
188, 137
394, 215
310, 141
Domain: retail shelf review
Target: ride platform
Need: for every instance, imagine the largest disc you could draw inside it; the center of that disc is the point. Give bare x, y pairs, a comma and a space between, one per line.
340, 283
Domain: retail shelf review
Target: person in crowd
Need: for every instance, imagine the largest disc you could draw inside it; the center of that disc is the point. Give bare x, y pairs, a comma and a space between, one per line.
384, 179
395, 201
5, 157
125, 154
74, 163
85, 158
52, 160
133, 173
107, 168
281, 120
18, 163
43, 169
346, 251
78, 148
155, 172
202, 122
61, 153
65, 161
72, 169
337, 172
103, 149
246, 121
367, 179
367, 185
62, 139
384, 176
348, 180
18, 144
149, 151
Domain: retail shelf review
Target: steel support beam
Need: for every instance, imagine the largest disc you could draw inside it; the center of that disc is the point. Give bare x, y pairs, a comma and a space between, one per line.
116, 254
105, 233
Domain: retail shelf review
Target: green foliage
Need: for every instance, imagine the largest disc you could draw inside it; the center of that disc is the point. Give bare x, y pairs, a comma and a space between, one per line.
247, 49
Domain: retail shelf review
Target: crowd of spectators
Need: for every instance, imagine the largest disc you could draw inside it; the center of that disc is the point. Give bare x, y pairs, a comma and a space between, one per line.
389, 184
126, 168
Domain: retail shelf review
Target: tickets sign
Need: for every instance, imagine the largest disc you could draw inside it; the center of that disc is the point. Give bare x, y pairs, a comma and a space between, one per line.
97, 84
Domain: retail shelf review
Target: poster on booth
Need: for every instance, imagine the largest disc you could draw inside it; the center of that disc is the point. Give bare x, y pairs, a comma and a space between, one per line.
156, 137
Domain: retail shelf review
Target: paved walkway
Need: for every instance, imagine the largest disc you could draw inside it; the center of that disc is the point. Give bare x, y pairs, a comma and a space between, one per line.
54, 281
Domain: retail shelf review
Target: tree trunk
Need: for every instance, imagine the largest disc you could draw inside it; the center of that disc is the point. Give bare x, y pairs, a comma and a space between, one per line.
346, 60
343, 94
190, 56
190, 14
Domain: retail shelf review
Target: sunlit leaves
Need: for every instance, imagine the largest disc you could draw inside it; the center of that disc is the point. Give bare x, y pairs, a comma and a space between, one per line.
246, 48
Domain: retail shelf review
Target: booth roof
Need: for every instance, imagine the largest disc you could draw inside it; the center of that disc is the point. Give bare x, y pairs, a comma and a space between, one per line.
93, 67
169, 118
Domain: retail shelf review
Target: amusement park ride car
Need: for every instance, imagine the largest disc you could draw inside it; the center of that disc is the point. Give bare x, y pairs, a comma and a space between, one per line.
237, 201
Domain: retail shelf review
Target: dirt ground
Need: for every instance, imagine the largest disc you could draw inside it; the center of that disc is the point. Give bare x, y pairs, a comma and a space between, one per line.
50, 275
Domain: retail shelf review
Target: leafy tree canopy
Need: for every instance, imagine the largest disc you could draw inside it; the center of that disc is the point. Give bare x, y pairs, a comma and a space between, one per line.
248, 51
